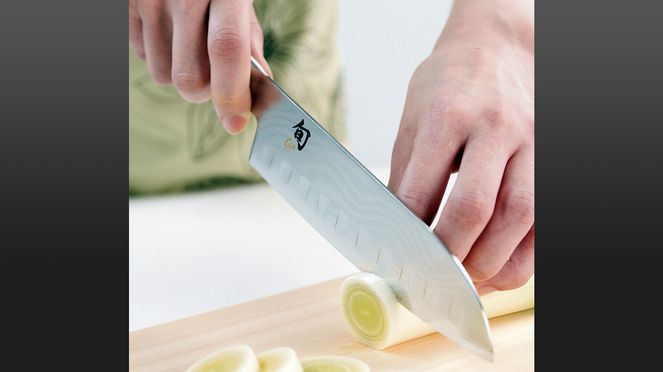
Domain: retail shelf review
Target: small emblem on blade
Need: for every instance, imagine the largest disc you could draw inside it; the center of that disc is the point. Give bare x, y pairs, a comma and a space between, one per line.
301, 135
289, 144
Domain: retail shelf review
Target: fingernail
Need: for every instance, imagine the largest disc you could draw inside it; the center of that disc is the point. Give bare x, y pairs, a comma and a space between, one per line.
235, 123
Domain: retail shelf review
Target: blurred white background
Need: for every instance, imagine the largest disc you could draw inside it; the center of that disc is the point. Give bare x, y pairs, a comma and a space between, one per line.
199, 252
382, 43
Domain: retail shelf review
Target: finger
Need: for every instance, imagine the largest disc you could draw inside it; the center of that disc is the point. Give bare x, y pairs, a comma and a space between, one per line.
472, 199
190, 72
512, 219
229, 48
425, 177
257, 44
517, 270
400, 155
402, 150
136, 31
157, 41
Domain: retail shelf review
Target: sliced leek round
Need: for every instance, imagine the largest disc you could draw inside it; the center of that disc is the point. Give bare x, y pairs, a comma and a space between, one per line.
334, 363
374, 315
280, 359
376, 318
236, 358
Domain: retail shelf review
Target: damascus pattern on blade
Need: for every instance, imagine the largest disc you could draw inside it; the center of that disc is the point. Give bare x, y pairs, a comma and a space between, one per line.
365, 222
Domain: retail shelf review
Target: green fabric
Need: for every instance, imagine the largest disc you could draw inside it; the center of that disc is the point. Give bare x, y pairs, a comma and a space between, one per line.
176, 146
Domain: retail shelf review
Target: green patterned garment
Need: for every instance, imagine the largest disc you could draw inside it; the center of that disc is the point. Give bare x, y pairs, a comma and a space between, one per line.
177, 146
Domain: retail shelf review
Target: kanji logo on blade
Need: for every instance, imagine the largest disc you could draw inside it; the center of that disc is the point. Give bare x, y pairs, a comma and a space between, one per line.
301, 135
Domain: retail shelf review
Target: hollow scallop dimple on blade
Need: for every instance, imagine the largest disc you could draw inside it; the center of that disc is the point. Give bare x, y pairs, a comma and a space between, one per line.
365, 222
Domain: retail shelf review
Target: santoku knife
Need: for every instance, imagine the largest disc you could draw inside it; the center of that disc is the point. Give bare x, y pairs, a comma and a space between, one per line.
361, 218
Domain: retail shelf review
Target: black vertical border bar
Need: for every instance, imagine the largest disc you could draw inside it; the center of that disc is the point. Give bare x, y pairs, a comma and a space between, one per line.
599, 75
63, 185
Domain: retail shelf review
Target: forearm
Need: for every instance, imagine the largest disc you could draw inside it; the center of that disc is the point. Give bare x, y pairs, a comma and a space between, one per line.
483, 23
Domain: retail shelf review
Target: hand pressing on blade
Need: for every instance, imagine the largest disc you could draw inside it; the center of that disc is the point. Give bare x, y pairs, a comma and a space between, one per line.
470, 108
204, 48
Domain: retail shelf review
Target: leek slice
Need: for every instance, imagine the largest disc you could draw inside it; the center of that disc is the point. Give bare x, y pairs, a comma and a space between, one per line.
280, 359
236, 358
334, 363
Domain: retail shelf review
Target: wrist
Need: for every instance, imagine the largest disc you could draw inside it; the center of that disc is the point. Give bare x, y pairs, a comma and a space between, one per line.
490, 24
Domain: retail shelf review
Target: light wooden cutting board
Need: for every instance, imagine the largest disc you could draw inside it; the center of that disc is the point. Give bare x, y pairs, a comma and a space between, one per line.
310, 321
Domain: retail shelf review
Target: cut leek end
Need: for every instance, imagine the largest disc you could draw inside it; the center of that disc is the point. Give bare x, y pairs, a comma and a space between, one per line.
374, 315
280, 359
237, 358
376, 318
364, 310
333, 363
365, 313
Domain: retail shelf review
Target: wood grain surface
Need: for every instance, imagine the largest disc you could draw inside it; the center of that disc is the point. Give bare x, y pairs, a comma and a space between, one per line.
310, 321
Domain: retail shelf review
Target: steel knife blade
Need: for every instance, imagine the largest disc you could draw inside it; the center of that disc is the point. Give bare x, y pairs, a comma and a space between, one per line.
361, 218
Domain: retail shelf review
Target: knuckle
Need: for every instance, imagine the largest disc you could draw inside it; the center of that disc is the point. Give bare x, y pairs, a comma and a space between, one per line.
226, 43
470, 210
496, 119
517, 274
495, 114
519, 207
502, 120
480, 272
189, 82
416, 79
452, 118
417, 201
517, 277
443, 112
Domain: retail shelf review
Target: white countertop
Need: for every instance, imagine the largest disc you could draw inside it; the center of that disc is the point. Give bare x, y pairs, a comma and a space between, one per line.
198, 252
